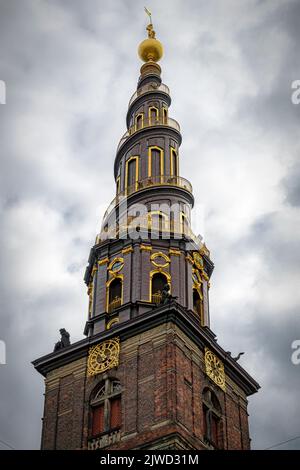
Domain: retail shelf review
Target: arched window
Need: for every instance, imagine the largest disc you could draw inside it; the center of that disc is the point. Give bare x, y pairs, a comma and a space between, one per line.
118, 182
156, 163
158, 280
212, 414
184, 223
139, 121
153, 116
198, 295
114, 294
106, 408
165, 115
157, 221
196, 302
173, 162
131, 174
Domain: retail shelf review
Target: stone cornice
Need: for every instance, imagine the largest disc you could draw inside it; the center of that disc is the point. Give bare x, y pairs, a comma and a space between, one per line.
164, 190
173, 313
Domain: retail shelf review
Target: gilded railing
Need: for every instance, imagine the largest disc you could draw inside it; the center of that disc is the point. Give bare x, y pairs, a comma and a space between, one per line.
142, 225
156, 298
114, 304
162, 121
164, 180
146, 88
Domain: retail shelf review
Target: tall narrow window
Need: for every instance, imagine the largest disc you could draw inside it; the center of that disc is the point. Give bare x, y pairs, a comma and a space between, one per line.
139, 121
156, 163
153, 116
184, 223
105, 405
118, 185
157, 221
173, 162
212, 419
114, 294
131, 174
158, 282
165, 115
196, 302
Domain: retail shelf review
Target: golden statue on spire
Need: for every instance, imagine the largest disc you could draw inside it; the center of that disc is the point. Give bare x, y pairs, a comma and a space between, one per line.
150, 50
151, 32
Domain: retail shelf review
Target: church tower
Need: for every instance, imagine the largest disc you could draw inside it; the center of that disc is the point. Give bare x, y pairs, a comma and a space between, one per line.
149, 373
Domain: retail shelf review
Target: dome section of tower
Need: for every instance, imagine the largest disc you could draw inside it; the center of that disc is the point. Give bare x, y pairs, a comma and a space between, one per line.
150, 49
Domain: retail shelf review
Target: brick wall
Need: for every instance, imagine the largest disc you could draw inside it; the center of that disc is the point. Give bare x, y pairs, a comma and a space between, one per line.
162, 377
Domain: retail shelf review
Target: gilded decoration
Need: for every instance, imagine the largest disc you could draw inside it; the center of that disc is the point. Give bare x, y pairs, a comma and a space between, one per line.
111, 323
198, 260
150, 49
174, 252
197, 280
160, 260
145, 247
103, 261
204, 251
189, 259
90, 292
214, 368
127, 250
103, 356
116, 265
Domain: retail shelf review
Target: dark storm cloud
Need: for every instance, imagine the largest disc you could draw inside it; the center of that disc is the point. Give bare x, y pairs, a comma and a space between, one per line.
268, 337
292, 186
264, 321
70, 68
280, 378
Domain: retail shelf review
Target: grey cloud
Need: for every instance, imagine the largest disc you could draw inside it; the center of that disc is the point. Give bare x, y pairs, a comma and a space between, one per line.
291, 185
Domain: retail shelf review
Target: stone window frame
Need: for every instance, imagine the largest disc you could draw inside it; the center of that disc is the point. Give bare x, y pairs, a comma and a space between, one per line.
107, 390
210, 410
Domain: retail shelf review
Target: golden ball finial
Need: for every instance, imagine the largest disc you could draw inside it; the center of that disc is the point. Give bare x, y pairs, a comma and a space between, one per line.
150, 49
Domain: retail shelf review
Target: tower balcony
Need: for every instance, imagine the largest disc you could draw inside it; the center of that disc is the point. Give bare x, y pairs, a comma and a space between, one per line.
151, 181
149, 88
114, 304
166, 121
165, 230
156, 298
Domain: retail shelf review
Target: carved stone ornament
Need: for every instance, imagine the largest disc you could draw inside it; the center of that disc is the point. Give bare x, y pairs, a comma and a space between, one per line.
214, 368
103, 356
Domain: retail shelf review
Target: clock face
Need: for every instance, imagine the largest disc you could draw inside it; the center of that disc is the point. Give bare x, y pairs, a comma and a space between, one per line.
214, 368
103, 356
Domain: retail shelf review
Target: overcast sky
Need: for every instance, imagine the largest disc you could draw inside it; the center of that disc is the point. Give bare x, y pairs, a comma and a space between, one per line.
70, 67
